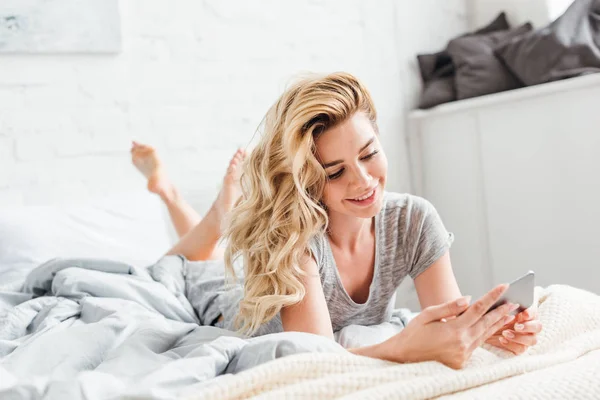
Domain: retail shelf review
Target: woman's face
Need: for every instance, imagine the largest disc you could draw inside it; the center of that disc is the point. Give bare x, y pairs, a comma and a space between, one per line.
356, 168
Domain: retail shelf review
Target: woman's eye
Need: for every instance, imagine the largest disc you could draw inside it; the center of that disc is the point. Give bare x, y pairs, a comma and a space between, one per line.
336, 175
368, 156
365, 158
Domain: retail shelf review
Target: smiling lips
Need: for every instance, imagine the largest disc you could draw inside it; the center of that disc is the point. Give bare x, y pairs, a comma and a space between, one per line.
365, 196
366, 199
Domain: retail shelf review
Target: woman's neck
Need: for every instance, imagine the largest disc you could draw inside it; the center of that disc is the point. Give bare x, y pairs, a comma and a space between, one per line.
347, 232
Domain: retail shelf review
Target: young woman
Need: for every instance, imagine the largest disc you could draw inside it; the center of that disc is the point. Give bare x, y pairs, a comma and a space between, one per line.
324, 246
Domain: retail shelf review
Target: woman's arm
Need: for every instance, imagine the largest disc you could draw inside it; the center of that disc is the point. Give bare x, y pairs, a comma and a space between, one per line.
437, 283
311, 315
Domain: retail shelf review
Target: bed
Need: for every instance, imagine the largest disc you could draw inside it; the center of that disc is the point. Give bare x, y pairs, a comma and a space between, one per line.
89, 309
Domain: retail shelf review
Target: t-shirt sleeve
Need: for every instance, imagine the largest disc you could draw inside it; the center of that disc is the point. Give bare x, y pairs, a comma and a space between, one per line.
426, 237
315, 247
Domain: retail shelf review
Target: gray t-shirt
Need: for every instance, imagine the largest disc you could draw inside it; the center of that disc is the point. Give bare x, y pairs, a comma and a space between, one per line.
410, 236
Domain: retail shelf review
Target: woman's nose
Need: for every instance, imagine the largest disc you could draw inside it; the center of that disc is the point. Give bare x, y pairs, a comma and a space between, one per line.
362, 177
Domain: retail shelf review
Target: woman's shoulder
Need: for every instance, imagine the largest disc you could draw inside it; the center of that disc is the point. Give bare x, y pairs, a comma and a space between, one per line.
316, 245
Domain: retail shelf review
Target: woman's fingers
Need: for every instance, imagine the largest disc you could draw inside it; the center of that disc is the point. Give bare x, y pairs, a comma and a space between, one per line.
483, 330
526, 339
493, 321
481, 306
513, 347
527, 315
534, 326
444, 310
518, 339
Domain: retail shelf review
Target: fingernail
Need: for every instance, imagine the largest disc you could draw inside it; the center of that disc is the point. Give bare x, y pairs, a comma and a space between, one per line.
463, 301
503, 341
514, 307
519, 327
508, 334
508, 319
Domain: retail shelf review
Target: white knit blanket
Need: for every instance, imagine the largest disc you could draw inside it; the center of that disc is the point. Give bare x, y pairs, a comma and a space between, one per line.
564, 364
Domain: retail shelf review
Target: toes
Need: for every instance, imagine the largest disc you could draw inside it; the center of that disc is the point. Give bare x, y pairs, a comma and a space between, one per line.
237, 157
138, 145
240, 154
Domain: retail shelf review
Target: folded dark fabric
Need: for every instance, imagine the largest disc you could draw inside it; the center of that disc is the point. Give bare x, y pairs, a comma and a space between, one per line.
437, 65
478, 70
568, 47
436, 68
438, 91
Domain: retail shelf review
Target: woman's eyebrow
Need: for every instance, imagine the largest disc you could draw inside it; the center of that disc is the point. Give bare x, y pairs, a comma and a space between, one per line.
336, 162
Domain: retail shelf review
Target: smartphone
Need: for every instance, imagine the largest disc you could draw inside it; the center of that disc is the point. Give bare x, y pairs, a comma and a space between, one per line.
520, 292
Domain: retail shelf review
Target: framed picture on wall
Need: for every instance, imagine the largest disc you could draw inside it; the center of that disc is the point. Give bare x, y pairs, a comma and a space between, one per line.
59, 26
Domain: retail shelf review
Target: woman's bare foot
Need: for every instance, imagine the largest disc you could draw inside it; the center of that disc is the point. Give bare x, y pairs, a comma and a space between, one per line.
146, 160
230, 191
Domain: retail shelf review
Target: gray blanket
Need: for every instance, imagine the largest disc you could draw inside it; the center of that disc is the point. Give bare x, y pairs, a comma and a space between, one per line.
99, 329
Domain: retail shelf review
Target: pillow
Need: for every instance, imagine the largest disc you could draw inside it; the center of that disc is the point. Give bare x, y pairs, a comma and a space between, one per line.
128, 227
438, 91
436, 68
478, 70
435, 65
359, 335
569, 46
430, 64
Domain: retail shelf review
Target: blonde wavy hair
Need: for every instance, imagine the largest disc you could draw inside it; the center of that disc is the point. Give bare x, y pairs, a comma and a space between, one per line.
280, 209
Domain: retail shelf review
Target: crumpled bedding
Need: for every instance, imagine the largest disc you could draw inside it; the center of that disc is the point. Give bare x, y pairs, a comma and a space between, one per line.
98, 329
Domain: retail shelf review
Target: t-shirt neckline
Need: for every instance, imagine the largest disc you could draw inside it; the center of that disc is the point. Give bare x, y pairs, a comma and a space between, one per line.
375, 268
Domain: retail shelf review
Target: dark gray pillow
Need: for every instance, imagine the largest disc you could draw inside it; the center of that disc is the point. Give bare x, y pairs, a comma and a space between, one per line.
478, 70
436, 65
437, 69
569, 46
438, 91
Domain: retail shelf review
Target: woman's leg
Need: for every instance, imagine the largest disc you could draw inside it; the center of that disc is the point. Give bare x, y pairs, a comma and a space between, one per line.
146, 160
201, 242
199, 238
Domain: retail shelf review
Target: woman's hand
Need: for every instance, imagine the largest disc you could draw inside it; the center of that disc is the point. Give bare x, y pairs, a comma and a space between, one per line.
519, 335
451, 341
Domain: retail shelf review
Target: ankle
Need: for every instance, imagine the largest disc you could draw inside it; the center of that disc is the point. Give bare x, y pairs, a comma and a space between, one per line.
214, 218
169, 195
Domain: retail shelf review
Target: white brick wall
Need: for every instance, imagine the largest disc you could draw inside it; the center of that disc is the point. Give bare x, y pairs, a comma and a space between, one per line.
194, 79
539, 12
